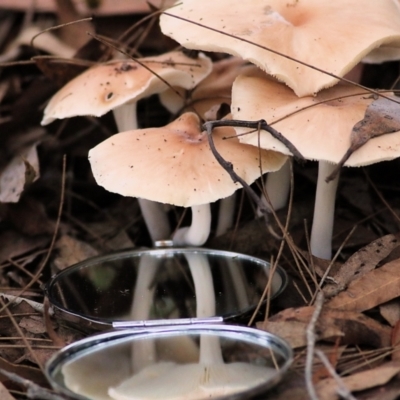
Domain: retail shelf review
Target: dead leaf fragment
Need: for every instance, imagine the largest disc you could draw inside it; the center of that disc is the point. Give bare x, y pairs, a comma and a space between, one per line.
381, 117
4, 393
14, 176
350, 327
391, 311
327, 389
72, 251
374, 288
33, 324
361, 262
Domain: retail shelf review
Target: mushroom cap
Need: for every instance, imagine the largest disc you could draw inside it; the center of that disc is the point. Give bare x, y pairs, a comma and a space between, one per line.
172, 381
106, 86
320, 132
175, 165
214, 89
330, 35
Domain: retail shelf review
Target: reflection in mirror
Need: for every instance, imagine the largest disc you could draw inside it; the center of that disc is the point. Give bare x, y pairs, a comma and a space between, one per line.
106, 289
208, 378
238, 366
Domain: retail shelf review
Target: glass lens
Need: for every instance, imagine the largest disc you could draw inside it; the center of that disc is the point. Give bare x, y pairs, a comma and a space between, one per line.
162, 284
193, 364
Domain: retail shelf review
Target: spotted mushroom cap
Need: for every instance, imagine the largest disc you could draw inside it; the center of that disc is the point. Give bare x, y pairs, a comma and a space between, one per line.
320, 126
104, 87
175, 165
330, 35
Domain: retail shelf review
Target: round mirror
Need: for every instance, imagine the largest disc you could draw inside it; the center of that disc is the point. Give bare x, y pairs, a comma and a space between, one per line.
160, 284
171, 363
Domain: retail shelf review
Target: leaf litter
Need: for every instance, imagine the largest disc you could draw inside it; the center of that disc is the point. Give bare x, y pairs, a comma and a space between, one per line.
358, 328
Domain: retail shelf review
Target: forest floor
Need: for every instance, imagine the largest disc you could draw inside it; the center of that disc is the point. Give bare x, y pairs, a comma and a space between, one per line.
53, 214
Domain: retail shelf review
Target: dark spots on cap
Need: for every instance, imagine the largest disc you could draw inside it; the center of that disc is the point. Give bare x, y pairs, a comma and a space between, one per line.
109, 96
125, 67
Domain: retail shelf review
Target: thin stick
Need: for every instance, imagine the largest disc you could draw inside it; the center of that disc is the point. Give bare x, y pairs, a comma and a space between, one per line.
26, 342
311, 338
33, 391
256, 125
342, 390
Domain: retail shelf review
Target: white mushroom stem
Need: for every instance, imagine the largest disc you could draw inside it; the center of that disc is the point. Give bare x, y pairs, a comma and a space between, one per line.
154, 216
199, 230
210, 349
126, 117
226, 214
143, 352
324, 211
277, 186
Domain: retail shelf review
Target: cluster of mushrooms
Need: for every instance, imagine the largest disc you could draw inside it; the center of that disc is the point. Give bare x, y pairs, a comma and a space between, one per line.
308, 105
286, 61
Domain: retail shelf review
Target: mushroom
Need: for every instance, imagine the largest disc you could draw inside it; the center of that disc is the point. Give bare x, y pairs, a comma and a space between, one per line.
320, 127
305, 32
210, 93
175, 165
209, 378
117, 86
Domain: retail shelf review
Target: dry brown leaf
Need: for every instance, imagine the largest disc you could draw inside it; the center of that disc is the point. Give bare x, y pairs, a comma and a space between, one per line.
381, 117
14, 177
33, 324
351, 327
374, 288
4, 393
391, 311
327, 389
72, 251
396, 342
361, 262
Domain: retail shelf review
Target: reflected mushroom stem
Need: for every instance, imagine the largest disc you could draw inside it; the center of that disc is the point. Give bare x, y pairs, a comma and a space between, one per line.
144, 352
210, 348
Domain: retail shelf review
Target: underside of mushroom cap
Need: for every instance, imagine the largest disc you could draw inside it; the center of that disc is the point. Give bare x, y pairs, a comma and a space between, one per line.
330, 35
320, 126
175, 165
107, 86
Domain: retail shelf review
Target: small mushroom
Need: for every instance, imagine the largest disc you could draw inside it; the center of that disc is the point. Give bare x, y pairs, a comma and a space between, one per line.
175, 165
332, 36
107, 87
117, 86
320, 127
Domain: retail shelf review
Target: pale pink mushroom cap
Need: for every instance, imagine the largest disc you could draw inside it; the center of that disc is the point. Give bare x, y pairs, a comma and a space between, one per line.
107, 86
321, 132
175, 165
330, 35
